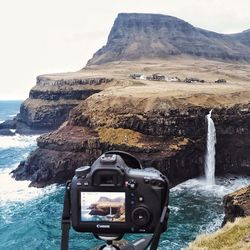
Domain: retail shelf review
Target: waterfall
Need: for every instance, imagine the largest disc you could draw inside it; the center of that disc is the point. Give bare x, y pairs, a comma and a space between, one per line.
210, 152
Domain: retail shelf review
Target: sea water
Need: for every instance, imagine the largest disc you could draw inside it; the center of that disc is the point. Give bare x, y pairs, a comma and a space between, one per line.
30, 218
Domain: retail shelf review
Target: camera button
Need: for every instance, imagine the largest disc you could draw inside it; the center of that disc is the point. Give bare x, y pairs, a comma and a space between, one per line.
132, 194
78, 183
140, 199
132, 202
85, 183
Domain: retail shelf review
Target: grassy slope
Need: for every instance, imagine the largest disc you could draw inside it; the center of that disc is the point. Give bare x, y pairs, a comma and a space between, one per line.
232, 236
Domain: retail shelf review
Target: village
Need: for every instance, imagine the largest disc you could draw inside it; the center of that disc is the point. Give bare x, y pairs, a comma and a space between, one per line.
160, 77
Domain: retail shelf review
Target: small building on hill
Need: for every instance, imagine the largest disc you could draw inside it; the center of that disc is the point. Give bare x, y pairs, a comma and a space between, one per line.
173, 79
220, 81
137, 76
158, 77
192, 79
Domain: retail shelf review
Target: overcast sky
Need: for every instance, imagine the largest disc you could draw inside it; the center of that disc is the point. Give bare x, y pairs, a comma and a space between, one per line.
45, 36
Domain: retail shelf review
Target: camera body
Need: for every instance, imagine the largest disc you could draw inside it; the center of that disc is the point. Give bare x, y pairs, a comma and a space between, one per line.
111, 197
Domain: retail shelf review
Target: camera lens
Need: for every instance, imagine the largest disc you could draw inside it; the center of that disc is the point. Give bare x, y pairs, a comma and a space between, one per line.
141, 216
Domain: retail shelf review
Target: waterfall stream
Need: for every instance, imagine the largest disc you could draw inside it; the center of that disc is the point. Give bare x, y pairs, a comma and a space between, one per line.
210, 151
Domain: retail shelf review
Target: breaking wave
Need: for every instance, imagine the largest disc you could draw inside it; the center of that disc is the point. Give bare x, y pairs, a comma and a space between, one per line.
17, 141
19, 191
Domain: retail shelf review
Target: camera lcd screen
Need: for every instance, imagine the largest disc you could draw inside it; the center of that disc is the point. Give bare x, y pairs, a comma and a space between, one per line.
103, 206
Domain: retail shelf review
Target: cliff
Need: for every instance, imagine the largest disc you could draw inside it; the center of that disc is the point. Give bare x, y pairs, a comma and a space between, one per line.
138, 36
51, 99
161, 123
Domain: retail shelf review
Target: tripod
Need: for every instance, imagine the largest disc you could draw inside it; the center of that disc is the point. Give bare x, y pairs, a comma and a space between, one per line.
140, 244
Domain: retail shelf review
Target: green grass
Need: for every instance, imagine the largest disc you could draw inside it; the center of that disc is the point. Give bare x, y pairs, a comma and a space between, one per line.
120, 136
232, 236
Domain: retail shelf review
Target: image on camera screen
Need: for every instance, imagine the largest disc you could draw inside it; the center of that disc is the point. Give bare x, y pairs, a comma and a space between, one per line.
103, 206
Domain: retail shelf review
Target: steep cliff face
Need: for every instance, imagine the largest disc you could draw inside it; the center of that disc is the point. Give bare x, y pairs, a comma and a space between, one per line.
135, 36
171, 140
161, 123
51, 100
62, 151
232, 126
233, 140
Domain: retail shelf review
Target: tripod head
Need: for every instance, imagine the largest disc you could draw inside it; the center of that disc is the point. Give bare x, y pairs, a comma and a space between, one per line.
109, 241
140, 244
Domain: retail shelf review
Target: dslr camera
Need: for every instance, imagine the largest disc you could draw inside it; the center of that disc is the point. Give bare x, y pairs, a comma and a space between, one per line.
116, 195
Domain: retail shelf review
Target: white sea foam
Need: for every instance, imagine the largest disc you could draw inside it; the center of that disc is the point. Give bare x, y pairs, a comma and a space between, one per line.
222, 187
13, 115
213, 225
17, 141
15, 194
174, 209
12, 191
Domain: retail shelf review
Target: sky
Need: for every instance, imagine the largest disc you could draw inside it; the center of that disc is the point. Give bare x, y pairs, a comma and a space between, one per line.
49, 36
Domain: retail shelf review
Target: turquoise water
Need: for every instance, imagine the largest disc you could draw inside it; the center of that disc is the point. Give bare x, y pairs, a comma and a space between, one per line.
30, 217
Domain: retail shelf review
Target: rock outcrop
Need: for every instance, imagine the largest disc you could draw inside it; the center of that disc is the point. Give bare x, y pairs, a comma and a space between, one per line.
51, 100
62, 151
171, 140
139, 36
237, 204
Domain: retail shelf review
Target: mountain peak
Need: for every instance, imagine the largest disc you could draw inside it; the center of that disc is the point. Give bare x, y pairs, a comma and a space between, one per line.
140, 35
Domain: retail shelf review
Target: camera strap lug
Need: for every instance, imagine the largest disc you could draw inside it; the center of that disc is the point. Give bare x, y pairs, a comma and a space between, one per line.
66, 223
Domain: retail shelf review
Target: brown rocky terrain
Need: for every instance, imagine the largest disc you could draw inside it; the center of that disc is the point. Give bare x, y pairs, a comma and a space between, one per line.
162, 123
237, 204
51, 99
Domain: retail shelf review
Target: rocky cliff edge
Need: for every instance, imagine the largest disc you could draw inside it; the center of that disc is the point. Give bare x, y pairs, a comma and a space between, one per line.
160, 122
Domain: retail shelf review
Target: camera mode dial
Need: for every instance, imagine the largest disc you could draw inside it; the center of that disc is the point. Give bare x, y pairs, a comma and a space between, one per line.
82, 171
131, 184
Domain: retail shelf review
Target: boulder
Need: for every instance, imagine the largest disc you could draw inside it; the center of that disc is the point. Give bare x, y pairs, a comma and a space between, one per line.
237, 204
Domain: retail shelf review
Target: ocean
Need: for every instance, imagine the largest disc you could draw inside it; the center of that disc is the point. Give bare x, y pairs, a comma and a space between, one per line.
30, 218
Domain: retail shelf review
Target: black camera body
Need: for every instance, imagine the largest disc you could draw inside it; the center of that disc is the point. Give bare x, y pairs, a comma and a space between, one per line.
114, 197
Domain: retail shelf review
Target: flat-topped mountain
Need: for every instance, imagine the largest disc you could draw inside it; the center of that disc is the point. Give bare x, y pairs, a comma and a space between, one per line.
138, 36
